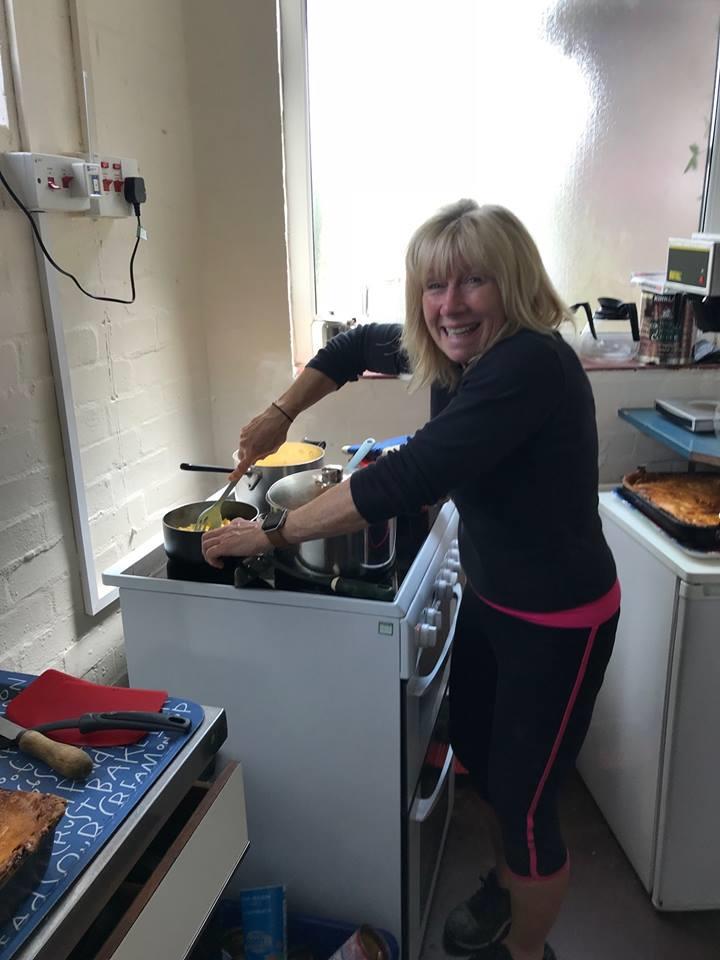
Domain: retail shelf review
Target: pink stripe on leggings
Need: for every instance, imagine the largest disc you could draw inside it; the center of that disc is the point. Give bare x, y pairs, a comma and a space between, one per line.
590, 616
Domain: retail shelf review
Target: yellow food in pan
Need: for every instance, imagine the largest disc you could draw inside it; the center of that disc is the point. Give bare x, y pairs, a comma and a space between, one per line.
204, 529
291, 453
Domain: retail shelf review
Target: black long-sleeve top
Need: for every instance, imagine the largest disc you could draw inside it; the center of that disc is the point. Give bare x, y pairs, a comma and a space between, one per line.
515, 446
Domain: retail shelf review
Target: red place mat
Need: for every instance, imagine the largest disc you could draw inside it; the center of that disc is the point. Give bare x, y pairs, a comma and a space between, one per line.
58, 696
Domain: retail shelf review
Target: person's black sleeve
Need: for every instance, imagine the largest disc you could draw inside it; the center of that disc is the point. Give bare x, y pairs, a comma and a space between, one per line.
370, 346
500, 403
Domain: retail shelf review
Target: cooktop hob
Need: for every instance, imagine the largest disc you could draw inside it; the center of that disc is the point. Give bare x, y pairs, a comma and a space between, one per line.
410, 536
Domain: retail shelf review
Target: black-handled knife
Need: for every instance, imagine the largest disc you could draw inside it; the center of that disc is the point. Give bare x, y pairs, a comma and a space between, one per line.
119, 720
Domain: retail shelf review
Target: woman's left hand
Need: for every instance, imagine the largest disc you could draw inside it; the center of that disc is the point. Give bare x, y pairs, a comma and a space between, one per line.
241, 538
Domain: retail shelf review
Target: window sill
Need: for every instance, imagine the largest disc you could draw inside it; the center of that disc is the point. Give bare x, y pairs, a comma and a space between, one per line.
591, 365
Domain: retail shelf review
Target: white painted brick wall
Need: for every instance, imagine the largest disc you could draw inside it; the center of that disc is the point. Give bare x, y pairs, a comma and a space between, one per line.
139, 372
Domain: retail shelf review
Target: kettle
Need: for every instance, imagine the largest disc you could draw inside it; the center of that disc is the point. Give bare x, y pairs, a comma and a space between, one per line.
601, 340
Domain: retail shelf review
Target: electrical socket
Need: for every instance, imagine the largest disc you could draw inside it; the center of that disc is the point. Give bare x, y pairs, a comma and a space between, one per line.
111, 202
61, 184
44, 182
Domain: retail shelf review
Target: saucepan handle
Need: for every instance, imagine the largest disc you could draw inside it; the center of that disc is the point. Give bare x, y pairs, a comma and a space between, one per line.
205, 468
254, 479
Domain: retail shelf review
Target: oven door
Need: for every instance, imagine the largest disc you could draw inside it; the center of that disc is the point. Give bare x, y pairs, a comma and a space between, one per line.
424, 694
427, 826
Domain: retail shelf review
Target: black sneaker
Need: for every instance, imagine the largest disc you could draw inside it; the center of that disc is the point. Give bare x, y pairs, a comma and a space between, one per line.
498, 951
479, 921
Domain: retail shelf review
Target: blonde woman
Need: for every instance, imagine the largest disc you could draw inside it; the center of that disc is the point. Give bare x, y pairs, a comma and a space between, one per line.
512, 439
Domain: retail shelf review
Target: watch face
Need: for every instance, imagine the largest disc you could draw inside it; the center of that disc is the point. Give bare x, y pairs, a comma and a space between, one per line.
274, 520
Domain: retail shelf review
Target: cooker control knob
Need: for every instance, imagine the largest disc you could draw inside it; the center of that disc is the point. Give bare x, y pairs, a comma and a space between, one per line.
453, 564
443, 588
433, 616
426, 635
454, 545
451, 576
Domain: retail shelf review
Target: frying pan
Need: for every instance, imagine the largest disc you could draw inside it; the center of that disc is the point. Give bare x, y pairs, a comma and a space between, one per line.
186, 545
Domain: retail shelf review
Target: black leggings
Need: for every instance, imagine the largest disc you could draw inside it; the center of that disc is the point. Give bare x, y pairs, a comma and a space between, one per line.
521, 699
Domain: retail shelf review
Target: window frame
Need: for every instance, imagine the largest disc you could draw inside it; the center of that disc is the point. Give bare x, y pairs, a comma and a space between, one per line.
710, 205
295, 106
8, 133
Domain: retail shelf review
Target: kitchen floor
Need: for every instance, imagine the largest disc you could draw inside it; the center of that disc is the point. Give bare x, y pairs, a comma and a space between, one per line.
607, 914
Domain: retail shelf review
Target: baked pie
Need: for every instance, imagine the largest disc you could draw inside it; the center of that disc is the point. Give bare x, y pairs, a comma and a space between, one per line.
27, 823
692, 498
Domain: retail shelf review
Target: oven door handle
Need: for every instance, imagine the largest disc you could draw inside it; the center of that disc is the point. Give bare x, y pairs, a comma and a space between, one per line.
418, 685
424, 806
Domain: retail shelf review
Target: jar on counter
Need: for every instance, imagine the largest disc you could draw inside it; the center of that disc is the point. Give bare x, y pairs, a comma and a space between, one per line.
667, 328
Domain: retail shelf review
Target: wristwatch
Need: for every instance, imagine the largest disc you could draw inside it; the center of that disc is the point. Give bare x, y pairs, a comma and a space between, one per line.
272, 526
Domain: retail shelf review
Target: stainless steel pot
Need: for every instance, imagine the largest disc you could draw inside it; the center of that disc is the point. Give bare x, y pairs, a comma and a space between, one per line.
254, 486
367, 553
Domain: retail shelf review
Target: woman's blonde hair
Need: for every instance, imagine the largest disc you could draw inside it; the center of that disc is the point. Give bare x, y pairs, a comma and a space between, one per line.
490, 240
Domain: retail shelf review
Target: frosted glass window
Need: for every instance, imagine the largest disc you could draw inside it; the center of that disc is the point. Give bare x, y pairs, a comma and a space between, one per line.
589, 120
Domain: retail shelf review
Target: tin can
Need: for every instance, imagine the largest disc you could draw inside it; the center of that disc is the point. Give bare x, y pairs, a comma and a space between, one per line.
365, 944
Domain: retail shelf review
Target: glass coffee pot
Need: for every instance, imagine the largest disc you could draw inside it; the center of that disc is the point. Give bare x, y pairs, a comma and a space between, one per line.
611, 335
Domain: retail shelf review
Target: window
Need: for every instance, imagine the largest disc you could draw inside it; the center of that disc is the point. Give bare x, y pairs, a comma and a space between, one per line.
590, 121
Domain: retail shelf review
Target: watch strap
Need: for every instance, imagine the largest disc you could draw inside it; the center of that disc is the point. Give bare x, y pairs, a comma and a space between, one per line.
277, 539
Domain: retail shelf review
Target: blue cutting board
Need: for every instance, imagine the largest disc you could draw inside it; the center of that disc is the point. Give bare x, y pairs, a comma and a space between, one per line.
96, 806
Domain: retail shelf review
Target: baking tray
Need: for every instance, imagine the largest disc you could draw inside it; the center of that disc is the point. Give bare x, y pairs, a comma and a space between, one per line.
704, 537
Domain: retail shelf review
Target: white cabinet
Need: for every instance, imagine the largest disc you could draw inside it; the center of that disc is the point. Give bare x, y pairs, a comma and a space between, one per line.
650, 759
688, 850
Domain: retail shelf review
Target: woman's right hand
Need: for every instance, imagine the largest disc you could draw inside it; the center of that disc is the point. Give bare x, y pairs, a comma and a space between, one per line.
259, 438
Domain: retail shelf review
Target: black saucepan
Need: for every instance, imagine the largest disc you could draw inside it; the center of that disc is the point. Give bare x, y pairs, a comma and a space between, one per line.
186, 545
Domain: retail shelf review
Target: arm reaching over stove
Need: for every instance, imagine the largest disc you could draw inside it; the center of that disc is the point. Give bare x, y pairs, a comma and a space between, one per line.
503, 401
328, 515
372, 346
266, 432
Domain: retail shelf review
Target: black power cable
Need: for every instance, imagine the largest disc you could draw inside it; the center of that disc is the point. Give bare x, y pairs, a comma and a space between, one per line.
134, 194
